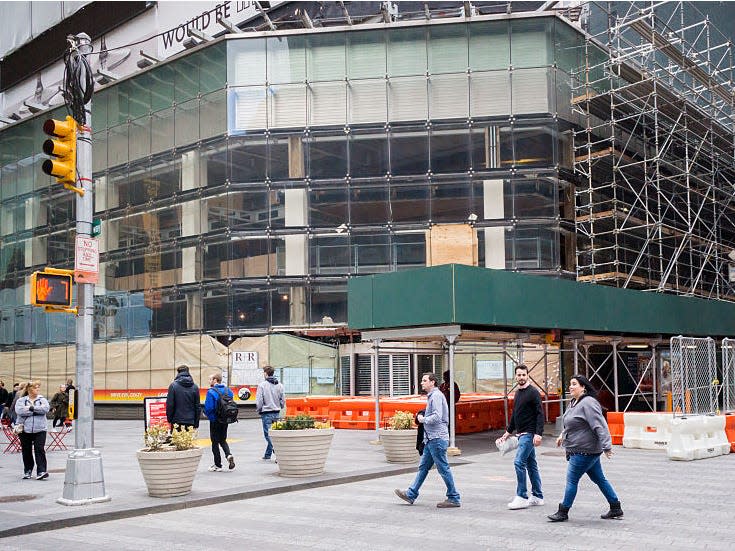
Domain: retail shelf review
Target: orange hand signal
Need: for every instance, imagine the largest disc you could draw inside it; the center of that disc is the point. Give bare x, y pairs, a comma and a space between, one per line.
43, 289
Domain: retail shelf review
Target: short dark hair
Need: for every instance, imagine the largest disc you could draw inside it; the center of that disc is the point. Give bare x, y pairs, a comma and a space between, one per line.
524, 367
430, 376
269, 371
182, 369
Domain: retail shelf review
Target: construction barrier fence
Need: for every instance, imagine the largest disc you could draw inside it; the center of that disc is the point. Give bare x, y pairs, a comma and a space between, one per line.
694, 383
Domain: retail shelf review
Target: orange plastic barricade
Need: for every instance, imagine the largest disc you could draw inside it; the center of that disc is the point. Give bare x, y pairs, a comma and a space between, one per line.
730, 430
295, 406
616, 424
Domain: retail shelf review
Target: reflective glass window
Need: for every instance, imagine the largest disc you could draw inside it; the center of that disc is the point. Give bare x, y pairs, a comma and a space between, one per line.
286, 59
371, 253
406, 51
448, 49
409, 151
409, 251
489, 47
325, 57
368, 154
162, 88
279, 167
186, 78
366, 54
409, 202
212, 63
246, 62
450, 149
248, 209
251, 307
217, 309
530, 43
450, 201
369, 204
328, 300
534, 146
327, 156
329, 255
248, 159
328, 206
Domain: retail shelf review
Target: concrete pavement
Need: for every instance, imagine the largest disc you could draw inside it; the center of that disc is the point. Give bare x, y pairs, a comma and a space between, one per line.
668, 505
30, 505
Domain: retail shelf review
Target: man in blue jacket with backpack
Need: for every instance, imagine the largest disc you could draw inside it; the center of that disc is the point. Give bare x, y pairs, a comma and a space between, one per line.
218, 409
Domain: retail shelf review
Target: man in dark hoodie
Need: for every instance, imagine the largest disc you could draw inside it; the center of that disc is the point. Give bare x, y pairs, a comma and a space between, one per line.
182, 400
270, 399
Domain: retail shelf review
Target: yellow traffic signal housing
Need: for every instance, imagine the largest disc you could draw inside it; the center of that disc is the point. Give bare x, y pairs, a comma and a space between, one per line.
51, 290
63, 164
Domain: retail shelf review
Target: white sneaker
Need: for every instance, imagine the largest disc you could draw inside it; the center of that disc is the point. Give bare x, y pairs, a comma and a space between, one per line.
518, 503
214, 469
533, 500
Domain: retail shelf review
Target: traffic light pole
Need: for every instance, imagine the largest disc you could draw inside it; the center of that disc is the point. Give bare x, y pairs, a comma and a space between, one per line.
84, 482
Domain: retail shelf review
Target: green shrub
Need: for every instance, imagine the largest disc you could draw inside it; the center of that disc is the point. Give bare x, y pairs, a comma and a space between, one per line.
401, 420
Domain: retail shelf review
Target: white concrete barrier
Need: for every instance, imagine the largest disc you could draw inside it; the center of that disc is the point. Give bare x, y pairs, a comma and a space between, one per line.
647, 431
697, 437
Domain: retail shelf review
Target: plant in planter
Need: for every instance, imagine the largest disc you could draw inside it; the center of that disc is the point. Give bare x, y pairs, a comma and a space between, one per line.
301, 444
169, 462
399, 438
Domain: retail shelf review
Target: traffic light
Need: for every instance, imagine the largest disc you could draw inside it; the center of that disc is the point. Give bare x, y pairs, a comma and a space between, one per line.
63, 164
51, 290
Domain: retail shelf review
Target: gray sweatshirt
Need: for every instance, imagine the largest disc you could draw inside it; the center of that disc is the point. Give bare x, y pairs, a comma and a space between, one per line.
33, 421
270, 396
585, 428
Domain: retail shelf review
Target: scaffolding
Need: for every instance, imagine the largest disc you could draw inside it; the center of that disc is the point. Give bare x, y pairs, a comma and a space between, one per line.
654, 150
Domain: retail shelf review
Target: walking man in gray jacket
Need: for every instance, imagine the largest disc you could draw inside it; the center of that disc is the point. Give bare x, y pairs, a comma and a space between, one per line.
436, 441
270, 399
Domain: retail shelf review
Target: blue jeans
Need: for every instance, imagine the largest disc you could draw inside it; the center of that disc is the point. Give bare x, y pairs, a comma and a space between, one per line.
526, 461
267, 420
589, 464
435, 453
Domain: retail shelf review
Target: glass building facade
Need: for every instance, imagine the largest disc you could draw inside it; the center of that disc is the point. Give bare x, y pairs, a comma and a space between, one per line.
240, 184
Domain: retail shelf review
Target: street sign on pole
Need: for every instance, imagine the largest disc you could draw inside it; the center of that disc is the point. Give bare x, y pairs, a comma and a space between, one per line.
87, 259
96, 227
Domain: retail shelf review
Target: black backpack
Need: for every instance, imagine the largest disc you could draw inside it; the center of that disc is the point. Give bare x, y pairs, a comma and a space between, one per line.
226, 410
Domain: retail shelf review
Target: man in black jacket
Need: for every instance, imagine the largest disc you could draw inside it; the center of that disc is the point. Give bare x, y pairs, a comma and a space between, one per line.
527, 421
182, 400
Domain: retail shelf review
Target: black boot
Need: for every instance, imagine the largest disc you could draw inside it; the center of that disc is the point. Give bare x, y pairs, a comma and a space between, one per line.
561, 515
614, 512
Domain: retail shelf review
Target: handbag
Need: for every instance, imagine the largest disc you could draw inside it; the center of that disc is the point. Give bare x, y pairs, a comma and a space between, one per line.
506, 446
18, 428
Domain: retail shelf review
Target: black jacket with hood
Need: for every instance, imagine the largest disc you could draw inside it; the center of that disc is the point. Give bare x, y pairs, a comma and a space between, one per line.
182, 401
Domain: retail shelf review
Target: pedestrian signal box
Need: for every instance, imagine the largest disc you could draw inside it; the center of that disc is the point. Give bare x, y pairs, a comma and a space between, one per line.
51, 290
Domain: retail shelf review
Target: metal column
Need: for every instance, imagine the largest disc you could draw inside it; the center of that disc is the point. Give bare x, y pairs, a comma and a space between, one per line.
84, 480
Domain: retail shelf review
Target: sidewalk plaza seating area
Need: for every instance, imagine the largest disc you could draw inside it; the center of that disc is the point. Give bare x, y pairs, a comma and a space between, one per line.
55, 439
474, 412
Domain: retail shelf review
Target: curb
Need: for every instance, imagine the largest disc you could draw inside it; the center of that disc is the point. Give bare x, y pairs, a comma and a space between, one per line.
203, 501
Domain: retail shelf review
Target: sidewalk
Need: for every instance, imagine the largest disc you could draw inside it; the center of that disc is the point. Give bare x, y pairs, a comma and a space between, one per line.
669, 506
30, 505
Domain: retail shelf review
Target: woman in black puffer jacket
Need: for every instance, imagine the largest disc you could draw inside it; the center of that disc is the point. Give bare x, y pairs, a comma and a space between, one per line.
31, 410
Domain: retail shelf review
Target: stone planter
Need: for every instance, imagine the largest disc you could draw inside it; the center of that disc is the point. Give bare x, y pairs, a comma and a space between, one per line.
399, 445
301, 452
169, 473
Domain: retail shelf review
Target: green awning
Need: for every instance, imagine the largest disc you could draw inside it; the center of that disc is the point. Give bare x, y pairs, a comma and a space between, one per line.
497, 299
